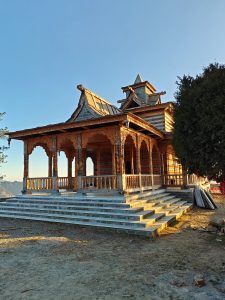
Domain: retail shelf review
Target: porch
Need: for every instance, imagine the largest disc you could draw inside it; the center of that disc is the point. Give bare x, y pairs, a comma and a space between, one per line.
109, 183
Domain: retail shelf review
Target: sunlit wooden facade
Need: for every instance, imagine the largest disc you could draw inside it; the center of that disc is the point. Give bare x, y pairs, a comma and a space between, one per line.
130, 146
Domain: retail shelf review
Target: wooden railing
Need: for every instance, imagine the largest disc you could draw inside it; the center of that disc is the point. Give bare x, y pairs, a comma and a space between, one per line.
137, 182
132, 181
196, 180
177, 180
173, 180
104, 182
66, 183
39, 183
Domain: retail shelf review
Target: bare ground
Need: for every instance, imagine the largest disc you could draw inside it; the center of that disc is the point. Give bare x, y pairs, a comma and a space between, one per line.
54, 261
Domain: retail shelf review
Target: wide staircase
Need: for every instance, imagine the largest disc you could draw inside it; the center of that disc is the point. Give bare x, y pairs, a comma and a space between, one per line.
142, 214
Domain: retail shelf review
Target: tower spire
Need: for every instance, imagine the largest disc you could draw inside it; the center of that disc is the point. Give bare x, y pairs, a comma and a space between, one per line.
138, 79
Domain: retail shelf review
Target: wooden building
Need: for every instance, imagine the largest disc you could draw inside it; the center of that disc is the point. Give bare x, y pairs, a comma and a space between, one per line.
130, 146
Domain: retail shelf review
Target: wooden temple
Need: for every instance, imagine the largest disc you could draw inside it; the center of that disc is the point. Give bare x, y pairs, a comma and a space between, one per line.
130, 146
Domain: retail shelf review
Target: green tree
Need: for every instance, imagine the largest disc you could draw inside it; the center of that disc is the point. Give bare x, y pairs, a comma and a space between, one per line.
199, 131
3, 132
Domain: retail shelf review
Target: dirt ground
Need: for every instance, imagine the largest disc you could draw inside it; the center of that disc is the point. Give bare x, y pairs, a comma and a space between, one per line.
53, 261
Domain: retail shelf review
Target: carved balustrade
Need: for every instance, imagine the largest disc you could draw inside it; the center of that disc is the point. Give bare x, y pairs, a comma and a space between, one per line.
104, 182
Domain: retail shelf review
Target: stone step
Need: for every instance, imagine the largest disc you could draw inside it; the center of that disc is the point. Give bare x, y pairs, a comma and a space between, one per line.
147, 232
147, 197
92, 213
166, 204
171, 218
145, 194
19, 214
119, 199
151, 202
142, 216
73, 202
121, 209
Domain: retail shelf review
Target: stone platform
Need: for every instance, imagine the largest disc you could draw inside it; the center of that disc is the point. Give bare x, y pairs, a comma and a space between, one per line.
142, 214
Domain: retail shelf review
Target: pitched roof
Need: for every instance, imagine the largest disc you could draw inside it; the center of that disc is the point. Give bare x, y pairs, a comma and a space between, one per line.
93, 105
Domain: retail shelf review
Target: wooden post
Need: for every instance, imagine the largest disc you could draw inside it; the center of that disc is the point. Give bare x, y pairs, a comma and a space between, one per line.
132, 159
98, 159
55, 166
69, 171
138, 161
113, 160
50, 165
26, 168
119, 149
113, 165
150, 162
79, 162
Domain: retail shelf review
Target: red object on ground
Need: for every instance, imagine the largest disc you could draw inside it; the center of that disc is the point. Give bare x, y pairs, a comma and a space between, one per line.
222, 187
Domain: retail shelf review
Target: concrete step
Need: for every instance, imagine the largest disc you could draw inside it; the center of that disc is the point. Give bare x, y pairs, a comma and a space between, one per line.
151, 202
147, 232
121, 209
119, 199
145, 194
73, 202
74, 218
147, 198
80, 213
145, 217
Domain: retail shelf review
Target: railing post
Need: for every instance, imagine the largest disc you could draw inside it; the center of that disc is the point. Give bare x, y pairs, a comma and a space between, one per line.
26, 169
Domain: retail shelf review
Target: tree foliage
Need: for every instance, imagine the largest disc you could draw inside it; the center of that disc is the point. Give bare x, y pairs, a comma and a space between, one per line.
3, 132
199, 131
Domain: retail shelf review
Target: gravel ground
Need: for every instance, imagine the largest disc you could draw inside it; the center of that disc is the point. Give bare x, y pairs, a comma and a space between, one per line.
41, 260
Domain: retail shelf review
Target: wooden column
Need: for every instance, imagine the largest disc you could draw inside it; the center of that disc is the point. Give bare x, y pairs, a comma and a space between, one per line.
50, 165
55, 165
150, 163
138, 160
79, 162
132, 159
113, 166
119, 151
84, 158
69, 171
98, 157
113, 160
26, 168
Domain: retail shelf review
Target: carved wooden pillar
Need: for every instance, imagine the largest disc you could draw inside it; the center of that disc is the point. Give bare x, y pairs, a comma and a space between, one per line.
84, 158
26, 168
98, 158
119, 150
138, 160
113, 160
138, 157
132, 159
69, 170
55, 165
79, 162
150, 163
50, 165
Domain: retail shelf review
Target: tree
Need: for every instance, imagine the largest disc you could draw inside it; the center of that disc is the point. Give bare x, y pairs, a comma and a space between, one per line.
199, 131
3, 132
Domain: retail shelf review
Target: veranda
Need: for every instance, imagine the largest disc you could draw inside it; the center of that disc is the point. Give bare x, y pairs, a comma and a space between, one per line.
128, 154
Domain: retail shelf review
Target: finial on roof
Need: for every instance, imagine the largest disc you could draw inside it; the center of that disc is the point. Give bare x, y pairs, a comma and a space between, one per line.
138, 79
80, 87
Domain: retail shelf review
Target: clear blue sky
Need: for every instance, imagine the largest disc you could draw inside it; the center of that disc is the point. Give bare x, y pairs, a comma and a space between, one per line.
50, 46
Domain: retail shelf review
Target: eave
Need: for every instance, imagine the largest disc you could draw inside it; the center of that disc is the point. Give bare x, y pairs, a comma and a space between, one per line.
126, 118
145, 108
